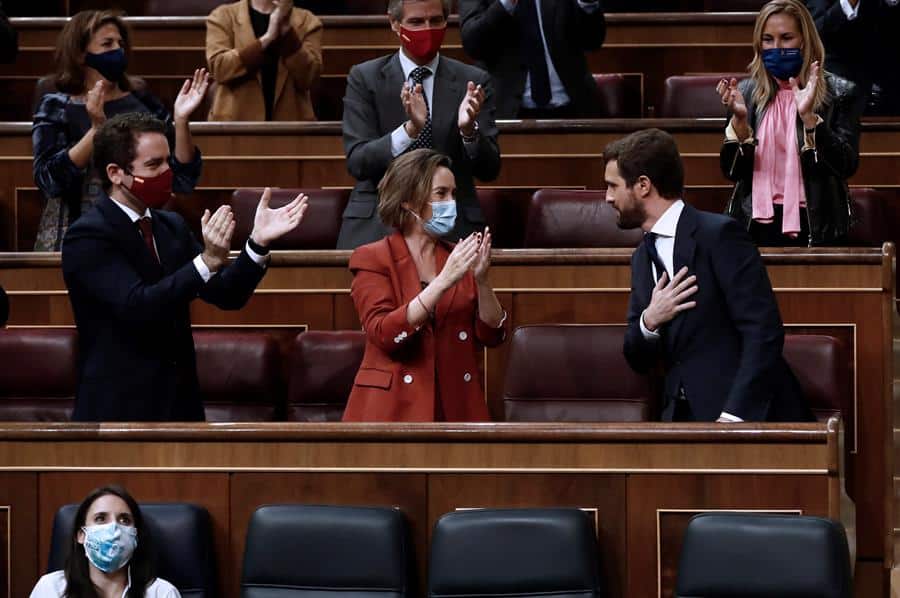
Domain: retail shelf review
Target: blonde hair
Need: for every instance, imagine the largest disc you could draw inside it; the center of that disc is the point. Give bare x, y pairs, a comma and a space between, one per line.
408, 180
813, 50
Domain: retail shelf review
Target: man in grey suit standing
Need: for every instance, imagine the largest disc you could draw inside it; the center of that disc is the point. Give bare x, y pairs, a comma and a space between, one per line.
412, 99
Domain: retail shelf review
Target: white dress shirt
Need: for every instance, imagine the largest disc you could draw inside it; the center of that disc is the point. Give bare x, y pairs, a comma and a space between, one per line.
53, 585
199, 264
558, 95
665, 229
853, 11
400, 139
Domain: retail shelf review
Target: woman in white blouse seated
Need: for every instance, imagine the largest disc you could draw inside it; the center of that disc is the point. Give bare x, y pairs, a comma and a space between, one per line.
109, 553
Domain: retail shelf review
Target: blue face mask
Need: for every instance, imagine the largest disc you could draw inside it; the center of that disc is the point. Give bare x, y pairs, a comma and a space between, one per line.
443, 217
783, 63
110, 546
110, 64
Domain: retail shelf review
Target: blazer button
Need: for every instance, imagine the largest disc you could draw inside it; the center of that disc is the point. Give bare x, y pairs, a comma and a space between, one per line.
467, 377
463, 335
407, 379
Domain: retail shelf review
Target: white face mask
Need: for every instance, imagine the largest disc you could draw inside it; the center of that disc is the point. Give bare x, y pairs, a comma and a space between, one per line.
109, 546
443, 217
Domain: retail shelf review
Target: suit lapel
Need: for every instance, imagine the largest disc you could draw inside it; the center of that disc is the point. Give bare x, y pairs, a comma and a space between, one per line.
548, 14
448, 93
408, 276
683, 255
243, 34
443, 306
128, 236
282, 76
165, 244
390, 109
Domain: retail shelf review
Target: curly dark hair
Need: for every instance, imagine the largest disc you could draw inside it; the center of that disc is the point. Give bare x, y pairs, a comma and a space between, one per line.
116, 139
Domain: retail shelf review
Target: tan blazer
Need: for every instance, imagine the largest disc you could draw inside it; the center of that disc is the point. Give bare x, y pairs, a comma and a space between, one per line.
235, 56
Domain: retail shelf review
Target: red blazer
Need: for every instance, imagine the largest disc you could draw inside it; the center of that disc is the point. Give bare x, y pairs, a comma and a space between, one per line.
403, 364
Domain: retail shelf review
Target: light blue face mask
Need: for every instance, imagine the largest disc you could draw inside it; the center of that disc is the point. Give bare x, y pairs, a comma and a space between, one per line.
443, 217
109, 546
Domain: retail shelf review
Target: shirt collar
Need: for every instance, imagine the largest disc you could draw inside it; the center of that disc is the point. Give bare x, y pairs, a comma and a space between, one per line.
408, 65
131, 213
668, 222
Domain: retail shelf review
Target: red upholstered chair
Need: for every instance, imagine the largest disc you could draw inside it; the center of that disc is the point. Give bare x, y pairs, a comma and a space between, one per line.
694, 96
611, 95
567, 218
39, 376
870, 226
574, 373
239, 375
323, 366
822, 365
180, 8
320, 226
505, 211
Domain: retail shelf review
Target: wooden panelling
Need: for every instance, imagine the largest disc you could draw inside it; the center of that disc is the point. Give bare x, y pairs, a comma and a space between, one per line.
18, 533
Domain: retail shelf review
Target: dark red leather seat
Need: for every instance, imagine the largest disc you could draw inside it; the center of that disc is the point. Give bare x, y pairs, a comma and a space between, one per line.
323, 366
574, 373
572, 218
870, 226
39, 376
320, 226
822, 365
239, 375
694, 96
611, 96
505, 212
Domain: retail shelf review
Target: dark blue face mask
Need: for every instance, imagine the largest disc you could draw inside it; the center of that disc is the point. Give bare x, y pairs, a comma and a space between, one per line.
783, 63
110, 64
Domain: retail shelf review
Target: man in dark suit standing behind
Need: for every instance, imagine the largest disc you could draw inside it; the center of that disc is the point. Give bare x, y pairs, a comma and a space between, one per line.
132, 271
701, 301
534, 51
414, 99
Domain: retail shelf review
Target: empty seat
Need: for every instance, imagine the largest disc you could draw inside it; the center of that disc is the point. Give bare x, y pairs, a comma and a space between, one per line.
505, 211
320, 226
239, 375
870, 226
182, 539
823, 367
514, 553
323, 366
574, 218
573, 373
694, 96
304, 551
611, 97
735, 555
42, 385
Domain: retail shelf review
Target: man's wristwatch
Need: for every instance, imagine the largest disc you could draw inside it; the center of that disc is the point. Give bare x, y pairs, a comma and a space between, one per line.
474, 134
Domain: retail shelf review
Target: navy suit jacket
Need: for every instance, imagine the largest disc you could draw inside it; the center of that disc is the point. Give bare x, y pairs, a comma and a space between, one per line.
136, 350
726, 353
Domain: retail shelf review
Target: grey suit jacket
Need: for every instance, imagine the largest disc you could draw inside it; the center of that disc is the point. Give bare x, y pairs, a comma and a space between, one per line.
372, 110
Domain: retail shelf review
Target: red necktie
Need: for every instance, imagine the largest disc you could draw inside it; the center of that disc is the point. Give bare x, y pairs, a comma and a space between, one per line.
147, 232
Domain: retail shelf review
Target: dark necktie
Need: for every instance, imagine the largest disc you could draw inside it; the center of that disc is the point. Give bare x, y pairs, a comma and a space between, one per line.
533, 51
146, 227
418, 75
650, 244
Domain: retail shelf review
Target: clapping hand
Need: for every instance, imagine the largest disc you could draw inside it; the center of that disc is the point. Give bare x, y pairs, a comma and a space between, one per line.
96, 97
191, 95
460, 261
482, 257
469, 108
217, 232
805, 97
413, 99
271, 223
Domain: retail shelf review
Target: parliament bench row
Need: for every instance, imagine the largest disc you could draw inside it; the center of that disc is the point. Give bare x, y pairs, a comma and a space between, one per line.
555, 373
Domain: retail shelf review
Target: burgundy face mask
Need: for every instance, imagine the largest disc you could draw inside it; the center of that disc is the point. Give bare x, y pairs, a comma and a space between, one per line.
422, 44
154, 191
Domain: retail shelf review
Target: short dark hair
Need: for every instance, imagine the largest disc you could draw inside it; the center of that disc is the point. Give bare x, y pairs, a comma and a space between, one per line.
652, 153
408, 179
116, 139
395, 8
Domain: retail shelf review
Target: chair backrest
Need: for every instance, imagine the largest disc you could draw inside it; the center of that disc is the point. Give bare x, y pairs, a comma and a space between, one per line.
870, 226
573, 373
305, 551
765, 556
694, 96
323, 366
611, 96
181, 534
574, 218
180, 8
239, 375
320, 226
42, 385
505, 212
823, 367
513, 553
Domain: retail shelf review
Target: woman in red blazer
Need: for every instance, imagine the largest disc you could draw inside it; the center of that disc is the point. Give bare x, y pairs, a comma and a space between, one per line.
424, 304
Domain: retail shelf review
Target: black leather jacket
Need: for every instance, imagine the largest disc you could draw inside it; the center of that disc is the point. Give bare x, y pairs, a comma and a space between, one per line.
825, 169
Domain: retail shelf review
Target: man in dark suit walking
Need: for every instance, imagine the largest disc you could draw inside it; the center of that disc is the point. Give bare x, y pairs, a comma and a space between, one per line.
701, 301
413, 99
132, 271
535, 53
